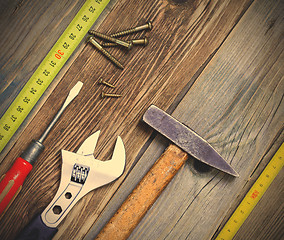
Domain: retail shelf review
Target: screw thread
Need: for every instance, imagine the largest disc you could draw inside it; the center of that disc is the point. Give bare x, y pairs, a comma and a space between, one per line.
123, 33
104, 94
146, 26
101, 81
105, 52
109, 44
113, 59
112, 39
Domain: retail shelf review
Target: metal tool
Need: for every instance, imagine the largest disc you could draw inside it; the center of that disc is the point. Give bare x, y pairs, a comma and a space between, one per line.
151, 186
11, 182
80, 174
49, 67
186, 139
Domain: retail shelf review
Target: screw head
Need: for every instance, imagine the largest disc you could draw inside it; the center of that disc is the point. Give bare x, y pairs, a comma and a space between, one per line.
130, 45
101, 81
146, 41
150, 25
89, 38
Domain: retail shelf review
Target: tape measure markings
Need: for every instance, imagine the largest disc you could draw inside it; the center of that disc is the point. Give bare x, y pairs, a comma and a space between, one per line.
253, 196
49, 68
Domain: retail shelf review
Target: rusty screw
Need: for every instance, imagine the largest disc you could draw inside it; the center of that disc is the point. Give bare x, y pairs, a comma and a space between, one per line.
101, 81
104, 95
143, 41
146, 26
128, 45
105, 52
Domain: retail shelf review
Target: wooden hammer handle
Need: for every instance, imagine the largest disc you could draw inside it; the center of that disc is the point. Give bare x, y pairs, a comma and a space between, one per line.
144, 195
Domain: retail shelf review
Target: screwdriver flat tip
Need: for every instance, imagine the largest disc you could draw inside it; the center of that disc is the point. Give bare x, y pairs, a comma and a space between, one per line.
76, 89
72, 94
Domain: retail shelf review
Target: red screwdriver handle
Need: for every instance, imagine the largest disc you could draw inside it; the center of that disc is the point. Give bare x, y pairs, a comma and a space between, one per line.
12, 182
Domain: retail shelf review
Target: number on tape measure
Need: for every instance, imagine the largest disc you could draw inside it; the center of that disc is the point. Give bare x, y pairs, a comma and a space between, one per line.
253, 196
49, 68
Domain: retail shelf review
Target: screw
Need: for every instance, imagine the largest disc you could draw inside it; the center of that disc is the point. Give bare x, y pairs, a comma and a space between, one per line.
101, 81
104, 94
143, 41
128, 45
109, 44
146, 26
105, 52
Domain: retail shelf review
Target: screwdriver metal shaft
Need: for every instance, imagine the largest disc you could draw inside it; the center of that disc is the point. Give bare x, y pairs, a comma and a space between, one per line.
72, 94
11, 182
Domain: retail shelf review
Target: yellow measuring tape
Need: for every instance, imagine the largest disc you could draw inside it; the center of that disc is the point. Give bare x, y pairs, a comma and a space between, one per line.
253, 196
49, 68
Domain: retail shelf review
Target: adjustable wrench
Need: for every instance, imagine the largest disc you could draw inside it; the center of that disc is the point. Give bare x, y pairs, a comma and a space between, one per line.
80, 174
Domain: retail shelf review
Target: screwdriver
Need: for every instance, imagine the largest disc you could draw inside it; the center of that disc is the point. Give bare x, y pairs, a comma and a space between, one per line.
11, 182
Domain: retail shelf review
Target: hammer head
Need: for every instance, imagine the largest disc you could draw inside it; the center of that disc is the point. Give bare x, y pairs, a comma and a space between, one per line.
186, 139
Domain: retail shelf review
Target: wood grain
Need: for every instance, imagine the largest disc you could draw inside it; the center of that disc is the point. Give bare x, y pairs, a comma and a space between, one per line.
242, 119
235, 104
29, 29
266, 220
144, 195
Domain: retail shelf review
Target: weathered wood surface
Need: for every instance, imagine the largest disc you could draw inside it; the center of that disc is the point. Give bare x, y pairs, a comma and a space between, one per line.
242, 119
28, 32
145, 194
227, 56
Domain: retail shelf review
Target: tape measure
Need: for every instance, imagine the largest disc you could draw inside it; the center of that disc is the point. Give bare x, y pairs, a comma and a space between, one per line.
49, 68
253, 196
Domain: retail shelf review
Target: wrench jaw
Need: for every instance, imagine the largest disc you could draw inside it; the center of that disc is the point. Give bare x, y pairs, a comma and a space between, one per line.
107, 171
81, 174
89, 145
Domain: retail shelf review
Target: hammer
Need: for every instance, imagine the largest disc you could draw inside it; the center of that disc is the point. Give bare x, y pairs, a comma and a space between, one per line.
186, 141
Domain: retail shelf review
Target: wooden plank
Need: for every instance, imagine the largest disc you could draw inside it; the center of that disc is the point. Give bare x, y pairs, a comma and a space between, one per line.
266, 220
184, 39
26, 29
28, 32
51, 103
237, 105
241, 118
